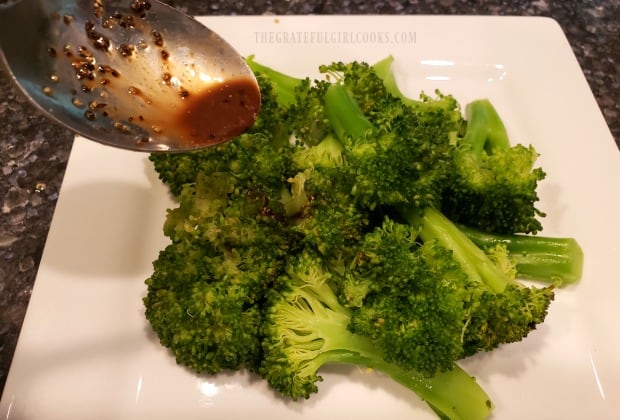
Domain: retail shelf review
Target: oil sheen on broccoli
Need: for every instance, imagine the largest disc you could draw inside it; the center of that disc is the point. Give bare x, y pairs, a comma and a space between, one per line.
354, 225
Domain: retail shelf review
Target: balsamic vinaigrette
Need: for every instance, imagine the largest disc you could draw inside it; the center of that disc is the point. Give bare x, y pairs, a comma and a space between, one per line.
138, 85
220, 112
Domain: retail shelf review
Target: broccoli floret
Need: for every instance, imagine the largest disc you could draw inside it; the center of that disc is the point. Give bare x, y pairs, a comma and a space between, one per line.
326, 154
507, 317
201, 304
385, 167
306, 328
383, 69
320, 205
408, 298
367, 91
248, 161
204, 296
307, 115
329, 220
216, 210
228, 239
441, 113
494, 184
331, 226
433, 225
500, 310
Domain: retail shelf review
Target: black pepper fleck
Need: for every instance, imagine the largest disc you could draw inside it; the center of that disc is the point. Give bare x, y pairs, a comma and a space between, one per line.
90, 115
158, 39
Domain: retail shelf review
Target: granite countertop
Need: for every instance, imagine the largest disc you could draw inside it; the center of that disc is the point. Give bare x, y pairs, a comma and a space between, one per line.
34, 151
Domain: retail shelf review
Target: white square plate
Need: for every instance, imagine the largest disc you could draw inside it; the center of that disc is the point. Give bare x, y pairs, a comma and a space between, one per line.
86, 351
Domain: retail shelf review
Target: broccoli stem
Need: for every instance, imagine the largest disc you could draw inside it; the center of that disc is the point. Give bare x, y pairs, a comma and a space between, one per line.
551, 260
383, 69
485, 129
453, 394
344, 114
474, 262
285, 84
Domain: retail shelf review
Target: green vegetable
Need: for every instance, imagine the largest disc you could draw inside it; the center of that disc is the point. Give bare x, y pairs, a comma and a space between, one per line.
499, 309
228, 242
557, 261
283, 84
494, 187
307, 328
331, 232
455, 300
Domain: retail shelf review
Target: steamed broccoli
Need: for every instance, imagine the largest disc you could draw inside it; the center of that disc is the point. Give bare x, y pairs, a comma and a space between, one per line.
410, 299
495, 184
395, 155
447, 310
443, 111
558, 261
282, 85
306, 328
327, 234
202, 305
205, 292
228, 238
500, 309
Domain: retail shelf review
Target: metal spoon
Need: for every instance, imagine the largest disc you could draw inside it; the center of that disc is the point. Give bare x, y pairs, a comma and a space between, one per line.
135, 74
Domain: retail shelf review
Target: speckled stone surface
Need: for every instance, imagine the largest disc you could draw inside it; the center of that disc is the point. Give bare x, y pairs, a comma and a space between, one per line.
34, 151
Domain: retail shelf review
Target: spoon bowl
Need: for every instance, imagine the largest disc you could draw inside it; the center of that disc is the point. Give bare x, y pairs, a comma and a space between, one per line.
134, 74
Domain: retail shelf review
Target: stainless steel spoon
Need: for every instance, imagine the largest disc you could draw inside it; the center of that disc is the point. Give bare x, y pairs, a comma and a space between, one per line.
135, 74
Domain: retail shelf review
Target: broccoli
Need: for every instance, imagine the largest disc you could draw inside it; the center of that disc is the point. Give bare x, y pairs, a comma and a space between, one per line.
283, 85
329, 233
495, 184
444, 301
558, 261
500, 309
408, 298
204, 295
306, 328
442, 112
487, 285
383, 167
388, 144
204, 315
228, 238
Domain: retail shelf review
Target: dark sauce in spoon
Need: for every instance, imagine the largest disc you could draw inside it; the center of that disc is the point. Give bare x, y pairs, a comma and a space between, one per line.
184, 106
218, 113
